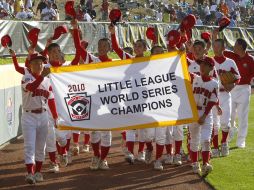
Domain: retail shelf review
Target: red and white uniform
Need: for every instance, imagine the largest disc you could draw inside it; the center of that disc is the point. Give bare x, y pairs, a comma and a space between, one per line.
205, 90
37, 97
241, 94
223, 64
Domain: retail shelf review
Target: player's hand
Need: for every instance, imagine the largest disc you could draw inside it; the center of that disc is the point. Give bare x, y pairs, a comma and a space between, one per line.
74, 23
12, 53
112, 29
229, 87
45, 72
55, 123
201, 120
31, 50
219, 110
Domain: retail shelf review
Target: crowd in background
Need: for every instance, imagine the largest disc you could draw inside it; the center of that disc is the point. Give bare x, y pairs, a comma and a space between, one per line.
241, 12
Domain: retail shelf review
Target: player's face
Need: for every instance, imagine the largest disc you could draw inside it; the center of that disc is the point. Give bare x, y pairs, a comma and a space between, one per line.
158, 50
205, 69
237, 48
198, 51
55, 54
103, 47
36, 66
139, 49
189, 46
218, 48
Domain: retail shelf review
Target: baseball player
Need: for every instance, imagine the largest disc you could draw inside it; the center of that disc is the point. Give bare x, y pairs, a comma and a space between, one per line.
100, 140
242, 91
205, 90
139, 49
222, 65
50, 143
36, 93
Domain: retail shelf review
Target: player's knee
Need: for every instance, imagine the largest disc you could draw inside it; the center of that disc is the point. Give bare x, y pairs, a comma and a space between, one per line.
205, 145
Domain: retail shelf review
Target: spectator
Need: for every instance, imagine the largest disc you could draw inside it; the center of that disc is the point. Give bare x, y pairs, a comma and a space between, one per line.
48, 13
89, 4
3, 12
198, 21
218, 15
54, 6
87, 17
22, 15
80, 13
17, 6
104, 9
180, 14
159, 16
231, 6
28, 4
42, 5
233, 22
224, 8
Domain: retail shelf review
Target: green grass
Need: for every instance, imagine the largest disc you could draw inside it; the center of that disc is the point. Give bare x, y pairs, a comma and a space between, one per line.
236, 172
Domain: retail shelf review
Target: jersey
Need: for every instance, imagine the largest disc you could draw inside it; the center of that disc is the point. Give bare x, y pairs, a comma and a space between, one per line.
223, 65
35, 98
205, 90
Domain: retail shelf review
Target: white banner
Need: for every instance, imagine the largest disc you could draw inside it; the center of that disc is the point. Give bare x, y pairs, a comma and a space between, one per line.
130, 94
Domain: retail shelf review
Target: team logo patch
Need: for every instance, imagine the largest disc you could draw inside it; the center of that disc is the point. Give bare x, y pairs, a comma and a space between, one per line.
245, 65
79, 106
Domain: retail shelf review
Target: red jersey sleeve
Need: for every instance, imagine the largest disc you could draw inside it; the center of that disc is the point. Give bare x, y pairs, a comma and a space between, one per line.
19, 69
117, 49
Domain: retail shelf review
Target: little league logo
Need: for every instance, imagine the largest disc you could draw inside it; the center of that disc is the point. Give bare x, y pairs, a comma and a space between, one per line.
79, 106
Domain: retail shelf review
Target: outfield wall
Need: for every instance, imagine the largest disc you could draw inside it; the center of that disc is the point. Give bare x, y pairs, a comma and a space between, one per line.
10, 103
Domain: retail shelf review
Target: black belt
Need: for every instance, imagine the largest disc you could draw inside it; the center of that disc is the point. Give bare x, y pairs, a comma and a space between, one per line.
37, 111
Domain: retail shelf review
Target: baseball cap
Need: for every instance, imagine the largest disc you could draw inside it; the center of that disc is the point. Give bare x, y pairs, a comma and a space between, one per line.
206, 60
173, 38
59, 31
37, 56
33, 36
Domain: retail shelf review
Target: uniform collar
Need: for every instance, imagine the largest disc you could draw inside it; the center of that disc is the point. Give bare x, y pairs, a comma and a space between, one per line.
206, 78
220, 59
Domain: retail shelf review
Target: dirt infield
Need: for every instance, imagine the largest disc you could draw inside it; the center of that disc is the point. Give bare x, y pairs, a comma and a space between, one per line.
78, 176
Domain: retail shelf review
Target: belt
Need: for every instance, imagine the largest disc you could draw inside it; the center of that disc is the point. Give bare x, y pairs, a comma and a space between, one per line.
37, 111
199, 108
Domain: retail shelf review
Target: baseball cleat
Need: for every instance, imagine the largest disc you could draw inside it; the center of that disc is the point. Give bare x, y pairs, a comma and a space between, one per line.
30, 179
206, 169
85, 148
38, 177
196, 168
95, 163
158, 165
69, 155
63, 160
53, 167
141, 157
148, 156
215, 153
103, 165
75, 149
177, 160
224, 149
129, 157
169, 159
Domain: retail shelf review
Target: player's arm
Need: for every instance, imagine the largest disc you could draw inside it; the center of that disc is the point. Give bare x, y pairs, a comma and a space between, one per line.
45, 51
115, 45
18, 68
52, 104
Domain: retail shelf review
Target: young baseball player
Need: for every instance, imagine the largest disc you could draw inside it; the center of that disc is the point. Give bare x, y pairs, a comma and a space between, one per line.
51, 142
222, 65
205, 90
36, 94
139, 48
100, 140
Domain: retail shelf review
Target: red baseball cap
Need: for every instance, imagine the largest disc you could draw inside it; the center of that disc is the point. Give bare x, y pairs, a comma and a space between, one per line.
59, 31
115, 15
6, 41
206, 60
188, 22
173, 38
69, 9
223, 23
206, 36
33, 35
37, 56
150, 34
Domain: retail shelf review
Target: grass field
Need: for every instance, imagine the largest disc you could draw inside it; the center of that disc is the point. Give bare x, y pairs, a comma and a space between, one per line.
236, 172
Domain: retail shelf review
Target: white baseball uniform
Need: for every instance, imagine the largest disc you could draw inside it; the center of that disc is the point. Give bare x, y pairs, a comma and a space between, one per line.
35, 117
205, 92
